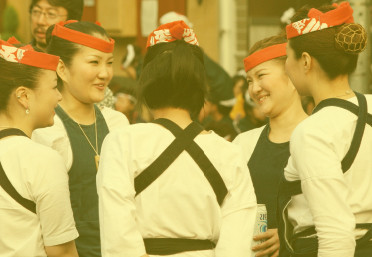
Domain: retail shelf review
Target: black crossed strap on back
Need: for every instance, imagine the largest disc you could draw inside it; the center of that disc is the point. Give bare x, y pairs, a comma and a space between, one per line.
362, 112
184, 141
4, 181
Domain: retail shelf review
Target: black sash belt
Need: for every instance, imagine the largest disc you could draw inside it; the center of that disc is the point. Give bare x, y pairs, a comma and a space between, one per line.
4, 181
168, 246
287, 189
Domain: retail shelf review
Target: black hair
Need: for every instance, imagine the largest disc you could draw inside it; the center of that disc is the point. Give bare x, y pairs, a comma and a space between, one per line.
336, 48
173, 75
13, 75
74, 7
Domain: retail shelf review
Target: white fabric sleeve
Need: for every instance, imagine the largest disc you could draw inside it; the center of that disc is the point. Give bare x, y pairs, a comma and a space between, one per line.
325, 189
52, 197
117, 211
238, 216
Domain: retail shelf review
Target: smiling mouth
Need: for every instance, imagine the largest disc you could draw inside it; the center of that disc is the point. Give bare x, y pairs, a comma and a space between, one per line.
262, 98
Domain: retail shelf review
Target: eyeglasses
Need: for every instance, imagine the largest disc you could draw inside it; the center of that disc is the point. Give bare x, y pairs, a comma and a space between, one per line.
49, 15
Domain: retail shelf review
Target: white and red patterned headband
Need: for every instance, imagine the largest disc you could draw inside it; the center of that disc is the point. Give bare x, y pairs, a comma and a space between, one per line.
318, 20
169, 32
27, 55
81, 38
264, 55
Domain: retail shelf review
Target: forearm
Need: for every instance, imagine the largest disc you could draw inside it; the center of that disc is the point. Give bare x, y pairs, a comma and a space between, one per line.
63, 250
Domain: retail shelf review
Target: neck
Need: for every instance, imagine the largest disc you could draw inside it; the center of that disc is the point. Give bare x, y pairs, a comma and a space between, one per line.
17, 122
179, 116
81, 113
282, 125
336, 88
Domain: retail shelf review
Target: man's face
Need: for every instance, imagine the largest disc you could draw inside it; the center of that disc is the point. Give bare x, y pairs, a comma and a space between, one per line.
44, 15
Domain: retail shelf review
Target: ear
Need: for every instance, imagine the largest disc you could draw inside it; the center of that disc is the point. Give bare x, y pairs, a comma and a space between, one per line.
23, 95
62, 71
306, 61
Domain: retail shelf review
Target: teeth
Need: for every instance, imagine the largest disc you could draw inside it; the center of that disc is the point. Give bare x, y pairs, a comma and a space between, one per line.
262, 98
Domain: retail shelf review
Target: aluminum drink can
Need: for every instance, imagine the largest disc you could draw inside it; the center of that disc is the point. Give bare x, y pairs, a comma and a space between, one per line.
260, 225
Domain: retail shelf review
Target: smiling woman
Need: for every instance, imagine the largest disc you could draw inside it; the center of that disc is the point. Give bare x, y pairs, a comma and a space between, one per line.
266, 149
84, 72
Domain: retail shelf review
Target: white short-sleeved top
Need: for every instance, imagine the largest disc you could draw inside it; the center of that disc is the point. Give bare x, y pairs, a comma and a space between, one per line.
56, 136
180, 203
332, 200
38, 174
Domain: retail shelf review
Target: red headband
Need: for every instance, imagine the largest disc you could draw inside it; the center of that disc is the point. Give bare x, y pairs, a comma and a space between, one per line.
264, 55
169, 32
81, 38
27, 55
318, 20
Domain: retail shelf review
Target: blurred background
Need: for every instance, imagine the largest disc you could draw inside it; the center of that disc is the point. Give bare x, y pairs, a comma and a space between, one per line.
226, 29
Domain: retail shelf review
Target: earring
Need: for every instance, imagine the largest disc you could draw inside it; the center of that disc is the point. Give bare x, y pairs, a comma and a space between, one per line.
18, 96
27, 111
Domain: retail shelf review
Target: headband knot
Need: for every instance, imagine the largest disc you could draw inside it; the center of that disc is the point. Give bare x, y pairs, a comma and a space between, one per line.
27, 55
169, 32
318, 20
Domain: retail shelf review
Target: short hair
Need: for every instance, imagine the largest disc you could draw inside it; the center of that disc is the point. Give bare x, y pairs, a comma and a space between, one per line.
173, 75
335, 51
13, 75
65, 49
74, 7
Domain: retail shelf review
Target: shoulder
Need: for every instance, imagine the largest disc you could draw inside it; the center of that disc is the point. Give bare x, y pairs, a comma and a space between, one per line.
247, 141
248, 137
114, 119
49, 135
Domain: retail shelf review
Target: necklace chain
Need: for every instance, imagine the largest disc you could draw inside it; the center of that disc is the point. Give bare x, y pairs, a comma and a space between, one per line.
347, 92
95, 129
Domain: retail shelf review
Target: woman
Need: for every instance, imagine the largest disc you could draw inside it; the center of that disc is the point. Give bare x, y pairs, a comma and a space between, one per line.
189, 196
35, 209
328, 177
80, 126
266, 149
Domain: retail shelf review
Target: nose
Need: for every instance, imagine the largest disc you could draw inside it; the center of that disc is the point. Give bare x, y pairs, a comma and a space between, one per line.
255, 87
105, 72
42, 20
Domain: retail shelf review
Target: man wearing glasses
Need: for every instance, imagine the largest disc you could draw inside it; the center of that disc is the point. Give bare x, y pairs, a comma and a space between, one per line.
45, 13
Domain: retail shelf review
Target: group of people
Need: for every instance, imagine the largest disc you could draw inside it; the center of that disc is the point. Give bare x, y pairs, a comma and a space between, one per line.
78, 180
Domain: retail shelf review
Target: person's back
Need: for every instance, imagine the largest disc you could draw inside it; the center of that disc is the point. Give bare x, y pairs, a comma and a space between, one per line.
169, 187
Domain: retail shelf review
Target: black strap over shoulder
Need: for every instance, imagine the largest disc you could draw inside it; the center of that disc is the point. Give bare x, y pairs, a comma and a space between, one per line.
289, 189
4, 181
359, 129
184, 142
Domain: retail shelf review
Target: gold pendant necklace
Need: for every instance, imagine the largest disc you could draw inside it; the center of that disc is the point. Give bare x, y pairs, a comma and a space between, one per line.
96, 157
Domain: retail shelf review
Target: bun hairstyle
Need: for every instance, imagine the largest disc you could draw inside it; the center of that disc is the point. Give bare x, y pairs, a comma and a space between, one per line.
335, 48
351, 38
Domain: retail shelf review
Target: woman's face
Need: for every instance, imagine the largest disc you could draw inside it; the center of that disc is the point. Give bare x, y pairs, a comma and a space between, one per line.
88, 75
44, 99
270, 88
